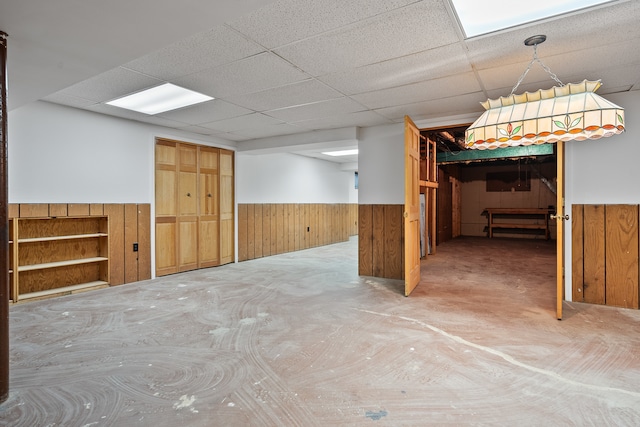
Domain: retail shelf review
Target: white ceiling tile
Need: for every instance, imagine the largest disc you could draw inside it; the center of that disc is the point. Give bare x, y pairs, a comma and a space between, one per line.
604, 26
254, 74
462, 104
569, 67
206, 112
331, 107
249, 121
200, 130
270, 130
212, 48
306, 18
391, 35
619, 69
304, 92
430, 64
231, 136
134, 115
68, 100
111, 84
360, 119
506, 77
431, 89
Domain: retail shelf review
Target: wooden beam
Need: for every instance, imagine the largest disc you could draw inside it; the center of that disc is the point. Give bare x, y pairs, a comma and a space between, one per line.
428, 184
498, 153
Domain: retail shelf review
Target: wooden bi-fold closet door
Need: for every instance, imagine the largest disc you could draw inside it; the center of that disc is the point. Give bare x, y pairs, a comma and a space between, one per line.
194, 207
209, 254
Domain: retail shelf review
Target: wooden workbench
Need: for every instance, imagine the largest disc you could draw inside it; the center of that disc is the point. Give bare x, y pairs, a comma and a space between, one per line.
519, 214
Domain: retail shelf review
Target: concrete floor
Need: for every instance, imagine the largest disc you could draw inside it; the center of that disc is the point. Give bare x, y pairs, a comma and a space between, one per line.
300, 340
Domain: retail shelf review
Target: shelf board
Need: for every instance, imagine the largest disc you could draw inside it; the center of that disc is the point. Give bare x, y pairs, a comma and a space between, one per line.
65, 290
67, 237
61, 263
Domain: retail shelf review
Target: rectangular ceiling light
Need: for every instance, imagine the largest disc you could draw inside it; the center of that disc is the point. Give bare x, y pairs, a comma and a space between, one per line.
159, 99
485, 16
341, 153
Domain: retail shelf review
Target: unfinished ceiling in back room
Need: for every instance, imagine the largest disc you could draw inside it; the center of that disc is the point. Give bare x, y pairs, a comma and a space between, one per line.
302, 66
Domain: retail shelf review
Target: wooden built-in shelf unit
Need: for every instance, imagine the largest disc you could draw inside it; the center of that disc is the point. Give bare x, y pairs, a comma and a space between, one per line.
57, 256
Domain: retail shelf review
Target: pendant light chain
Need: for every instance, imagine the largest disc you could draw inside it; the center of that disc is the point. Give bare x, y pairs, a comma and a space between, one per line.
544, 67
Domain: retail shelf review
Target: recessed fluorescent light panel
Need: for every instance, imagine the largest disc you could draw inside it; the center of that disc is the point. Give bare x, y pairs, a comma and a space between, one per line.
159, 99
341, 153
485, 16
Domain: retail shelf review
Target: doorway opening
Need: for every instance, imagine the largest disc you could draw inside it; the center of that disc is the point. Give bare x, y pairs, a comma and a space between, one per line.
504, 196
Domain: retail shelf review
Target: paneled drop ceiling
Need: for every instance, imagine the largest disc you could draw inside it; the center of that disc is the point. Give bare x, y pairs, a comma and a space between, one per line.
278, 68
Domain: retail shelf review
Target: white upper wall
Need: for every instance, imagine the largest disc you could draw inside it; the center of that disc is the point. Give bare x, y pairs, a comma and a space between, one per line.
381, 165
606, 171
290, 178
65, 155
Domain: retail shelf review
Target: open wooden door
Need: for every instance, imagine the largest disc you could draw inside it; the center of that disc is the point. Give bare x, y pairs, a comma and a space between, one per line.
411, 206
560, 217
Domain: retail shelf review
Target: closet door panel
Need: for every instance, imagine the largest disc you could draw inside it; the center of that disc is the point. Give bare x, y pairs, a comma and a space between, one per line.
226, 207
188, 207
209, 251
209, 181
209, 245
188, 200
188, 244
166, 207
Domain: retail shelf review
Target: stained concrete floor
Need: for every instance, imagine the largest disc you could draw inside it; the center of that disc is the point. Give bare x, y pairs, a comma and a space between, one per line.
301, 340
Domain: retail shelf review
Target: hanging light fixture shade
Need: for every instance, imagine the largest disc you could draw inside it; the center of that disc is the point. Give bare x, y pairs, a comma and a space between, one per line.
570, 112
562, 113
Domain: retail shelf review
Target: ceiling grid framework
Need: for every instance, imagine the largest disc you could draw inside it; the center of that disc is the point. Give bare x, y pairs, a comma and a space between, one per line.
303, 66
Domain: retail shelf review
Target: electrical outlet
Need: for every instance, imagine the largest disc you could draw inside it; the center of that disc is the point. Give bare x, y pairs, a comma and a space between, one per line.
135, 247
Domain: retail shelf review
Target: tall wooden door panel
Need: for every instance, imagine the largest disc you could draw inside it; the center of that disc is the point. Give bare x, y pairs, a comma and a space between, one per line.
209, 244
166, 191
560, 219
188, 208
226, 207
411, 206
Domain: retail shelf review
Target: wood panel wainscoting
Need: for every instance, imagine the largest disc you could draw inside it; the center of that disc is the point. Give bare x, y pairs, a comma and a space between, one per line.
380, 241
270, 229
605, 254
63, 248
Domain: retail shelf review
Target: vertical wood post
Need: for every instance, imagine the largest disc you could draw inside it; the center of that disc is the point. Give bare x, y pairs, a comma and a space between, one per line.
4, 227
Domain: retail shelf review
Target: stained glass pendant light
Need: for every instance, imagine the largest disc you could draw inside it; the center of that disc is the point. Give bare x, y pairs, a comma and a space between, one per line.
561, 113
